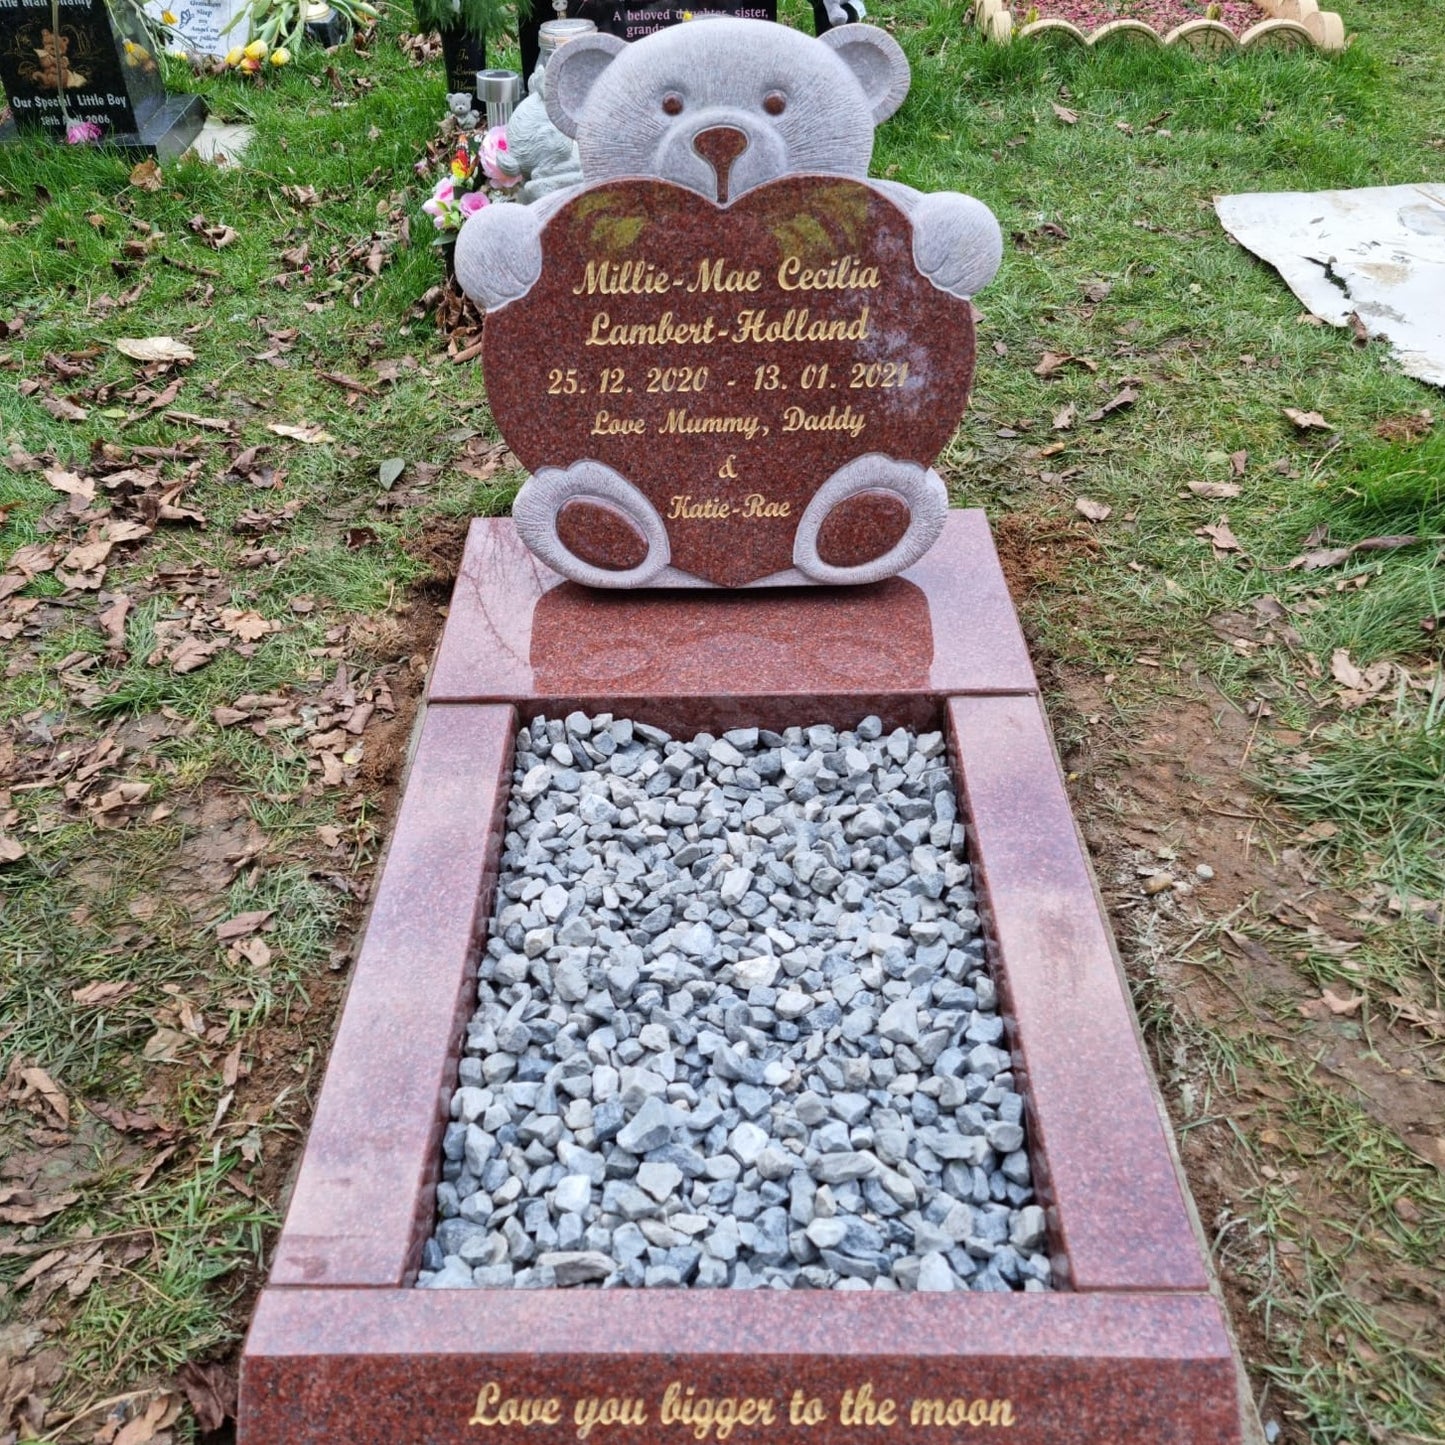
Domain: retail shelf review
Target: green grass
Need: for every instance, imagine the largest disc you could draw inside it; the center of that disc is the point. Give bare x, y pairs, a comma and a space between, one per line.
1124, 196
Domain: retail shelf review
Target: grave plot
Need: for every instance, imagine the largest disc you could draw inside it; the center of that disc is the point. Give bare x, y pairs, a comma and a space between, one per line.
735, 1027
1207, 27
1130, 1343
806, 1042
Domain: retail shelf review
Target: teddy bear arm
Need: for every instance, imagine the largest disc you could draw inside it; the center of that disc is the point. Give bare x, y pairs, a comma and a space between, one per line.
957, 243
499, 250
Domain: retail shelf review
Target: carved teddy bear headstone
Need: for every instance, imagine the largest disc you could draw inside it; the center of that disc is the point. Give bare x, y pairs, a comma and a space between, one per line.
748, 353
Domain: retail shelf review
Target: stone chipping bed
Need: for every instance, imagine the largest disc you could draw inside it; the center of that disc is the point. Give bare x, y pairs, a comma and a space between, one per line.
734, 1027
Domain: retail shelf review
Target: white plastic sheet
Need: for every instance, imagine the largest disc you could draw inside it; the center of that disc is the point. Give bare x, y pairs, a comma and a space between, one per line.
1377, 253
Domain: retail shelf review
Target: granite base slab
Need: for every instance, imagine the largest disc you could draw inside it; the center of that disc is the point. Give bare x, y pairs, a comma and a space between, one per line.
1132, 1345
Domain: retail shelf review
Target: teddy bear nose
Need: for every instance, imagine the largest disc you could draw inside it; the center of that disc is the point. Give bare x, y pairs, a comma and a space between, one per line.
720, 146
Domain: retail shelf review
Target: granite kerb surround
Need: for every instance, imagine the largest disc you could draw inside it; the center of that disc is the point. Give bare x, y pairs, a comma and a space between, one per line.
1134, 1344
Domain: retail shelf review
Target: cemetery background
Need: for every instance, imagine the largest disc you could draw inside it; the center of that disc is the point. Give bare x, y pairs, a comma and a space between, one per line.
209, 690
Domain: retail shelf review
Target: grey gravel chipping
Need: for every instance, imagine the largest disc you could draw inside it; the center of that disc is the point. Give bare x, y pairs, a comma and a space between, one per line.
734, 1027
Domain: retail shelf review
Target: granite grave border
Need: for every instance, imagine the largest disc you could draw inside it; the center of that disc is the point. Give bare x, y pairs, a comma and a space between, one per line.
1132, 1344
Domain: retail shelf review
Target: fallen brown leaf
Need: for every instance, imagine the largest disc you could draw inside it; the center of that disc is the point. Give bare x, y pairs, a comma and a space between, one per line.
216, 236
154, 348
145, 1428
102, 991
63, 410
24, 1206
191, 653
1054, 362
45, 1262
128, 1121
211, 1390
1094, 511
1220, 535
1307, 420
1121, 399
71, 483
1216, 491
243, 924
38, 1082
311, 435
127, 531
162, 1046
248, 625
1065, 115
146, 176
1342, 1004
1360, 686
1314, 561
83, 567
1319, 558
1430, 1147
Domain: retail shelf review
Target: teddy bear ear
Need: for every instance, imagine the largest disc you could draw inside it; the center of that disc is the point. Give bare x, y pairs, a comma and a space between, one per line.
876, 60
572, 72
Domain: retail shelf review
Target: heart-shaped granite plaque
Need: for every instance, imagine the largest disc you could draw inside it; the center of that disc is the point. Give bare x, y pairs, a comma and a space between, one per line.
727, 361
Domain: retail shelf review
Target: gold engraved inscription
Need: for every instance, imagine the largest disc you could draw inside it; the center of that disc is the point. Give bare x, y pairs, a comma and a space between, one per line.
591, 1412
495, 1408
961, 1411
681, 1413
847, 273
753, 507
622, 278
607, 425
796, 325
679, 423
665, 331
712, 1418
715, 276
834, 419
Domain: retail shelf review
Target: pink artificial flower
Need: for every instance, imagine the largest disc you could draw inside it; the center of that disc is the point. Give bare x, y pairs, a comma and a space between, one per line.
494, 143
473, 202
80, 132
445, 190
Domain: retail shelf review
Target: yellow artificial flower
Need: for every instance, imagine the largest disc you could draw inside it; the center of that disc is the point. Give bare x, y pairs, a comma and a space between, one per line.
256, 50
250, 66
280, 56
235, 55
168, 16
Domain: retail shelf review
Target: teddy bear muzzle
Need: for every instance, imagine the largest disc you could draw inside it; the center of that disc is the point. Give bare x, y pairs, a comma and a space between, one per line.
720, 146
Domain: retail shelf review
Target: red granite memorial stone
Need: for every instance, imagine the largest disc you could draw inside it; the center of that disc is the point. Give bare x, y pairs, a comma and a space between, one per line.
1131, 1344
727, 360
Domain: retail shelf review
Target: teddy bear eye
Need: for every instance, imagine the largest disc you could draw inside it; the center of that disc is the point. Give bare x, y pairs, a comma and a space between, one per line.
672, 103
775, 102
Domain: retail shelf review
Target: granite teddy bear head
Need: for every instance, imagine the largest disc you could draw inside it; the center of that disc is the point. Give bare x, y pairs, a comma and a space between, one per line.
724, 106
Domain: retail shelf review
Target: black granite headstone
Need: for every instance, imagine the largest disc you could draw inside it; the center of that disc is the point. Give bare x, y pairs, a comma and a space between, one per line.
71, 63
632, 19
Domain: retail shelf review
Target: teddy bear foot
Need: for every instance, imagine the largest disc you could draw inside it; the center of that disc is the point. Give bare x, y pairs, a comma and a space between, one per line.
591, 524
869, 520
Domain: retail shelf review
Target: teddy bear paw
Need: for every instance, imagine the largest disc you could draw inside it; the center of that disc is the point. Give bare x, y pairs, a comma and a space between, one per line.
872, 518
591, 524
